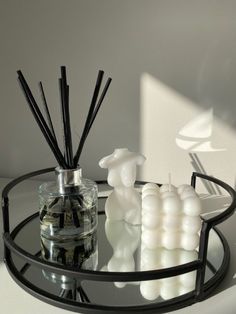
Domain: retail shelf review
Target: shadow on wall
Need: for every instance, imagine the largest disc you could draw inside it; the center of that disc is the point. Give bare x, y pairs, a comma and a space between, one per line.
174, 128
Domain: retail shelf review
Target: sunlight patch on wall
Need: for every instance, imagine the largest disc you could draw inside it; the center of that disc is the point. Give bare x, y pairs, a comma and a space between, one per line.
196, 135
172, 127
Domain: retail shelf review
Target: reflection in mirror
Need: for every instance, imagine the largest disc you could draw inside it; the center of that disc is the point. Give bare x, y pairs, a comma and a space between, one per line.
124, 239
213, 205
125, 242
119, 247
171, 287
215, 253
81, 254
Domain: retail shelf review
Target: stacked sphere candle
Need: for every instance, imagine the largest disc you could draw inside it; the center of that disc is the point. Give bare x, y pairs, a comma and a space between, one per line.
170, 217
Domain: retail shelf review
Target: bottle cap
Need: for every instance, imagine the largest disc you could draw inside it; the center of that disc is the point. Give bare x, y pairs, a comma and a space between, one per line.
68, 179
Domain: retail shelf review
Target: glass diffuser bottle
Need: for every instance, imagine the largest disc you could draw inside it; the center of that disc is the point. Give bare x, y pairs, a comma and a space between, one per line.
68, 206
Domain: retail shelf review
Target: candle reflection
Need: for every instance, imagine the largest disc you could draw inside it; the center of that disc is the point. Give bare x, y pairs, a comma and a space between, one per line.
124, 240
171, 287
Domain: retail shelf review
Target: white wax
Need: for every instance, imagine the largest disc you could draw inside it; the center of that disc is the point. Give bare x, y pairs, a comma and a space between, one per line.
150, 186
187, 256
172, 212
188, 279
184, 187
168, 188
169, 291
170, 281
189, 242
191, 224
172, 205
171, 240
184, 290
151, 220
188, 193
192, 206
172, 222
169, 194
152, 239
151, 203
151, 265
148, 256
150, 290
169, 258
150, 192
120, 284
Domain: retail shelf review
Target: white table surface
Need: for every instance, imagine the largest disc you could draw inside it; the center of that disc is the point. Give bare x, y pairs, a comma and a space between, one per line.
14, 300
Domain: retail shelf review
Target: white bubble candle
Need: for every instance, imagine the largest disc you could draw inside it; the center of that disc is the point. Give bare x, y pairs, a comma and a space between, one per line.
170, 216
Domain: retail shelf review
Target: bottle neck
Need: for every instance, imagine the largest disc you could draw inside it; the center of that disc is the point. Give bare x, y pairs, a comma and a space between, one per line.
68, 179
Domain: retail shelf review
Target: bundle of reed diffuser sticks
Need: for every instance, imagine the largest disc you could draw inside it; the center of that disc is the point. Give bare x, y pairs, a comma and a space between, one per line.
66, 160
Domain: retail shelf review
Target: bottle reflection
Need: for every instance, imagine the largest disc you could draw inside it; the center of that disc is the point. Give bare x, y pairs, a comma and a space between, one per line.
80, 254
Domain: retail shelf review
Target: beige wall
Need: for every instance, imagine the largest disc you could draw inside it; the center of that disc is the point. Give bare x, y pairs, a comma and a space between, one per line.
185, 46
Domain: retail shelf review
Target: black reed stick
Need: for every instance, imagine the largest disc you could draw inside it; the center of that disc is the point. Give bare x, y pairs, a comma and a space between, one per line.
64, 88
91, 121
40, 120
89, 116
64, 127
62, 92
67, 161
47, 110
68, 127
99, 104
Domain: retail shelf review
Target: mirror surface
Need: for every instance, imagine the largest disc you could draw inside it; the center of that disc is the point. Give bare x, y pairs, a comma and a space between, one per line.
114, 247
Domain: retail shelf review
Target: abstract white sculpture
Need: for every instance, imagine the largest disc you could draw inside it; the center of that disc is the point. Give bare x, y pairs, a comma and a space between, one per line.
124, 203
170, 217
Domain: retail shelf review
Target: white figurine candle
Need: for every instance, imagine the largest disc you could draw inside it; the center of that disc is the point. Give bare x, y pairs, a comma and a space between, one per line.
124, 203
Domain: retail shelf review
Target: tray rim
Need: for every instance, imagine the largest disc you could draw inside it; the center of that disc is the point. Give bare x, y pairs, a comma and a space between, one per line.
201, 289
159, 307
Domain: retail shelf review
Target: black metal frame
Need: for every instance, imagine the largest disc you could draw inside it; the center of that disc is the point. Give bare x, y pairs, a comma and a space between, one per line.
201, 289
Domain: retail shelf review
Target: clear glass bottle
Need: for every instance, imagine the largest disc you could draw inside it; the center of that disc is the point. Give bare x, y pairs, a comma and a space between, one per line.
68, 206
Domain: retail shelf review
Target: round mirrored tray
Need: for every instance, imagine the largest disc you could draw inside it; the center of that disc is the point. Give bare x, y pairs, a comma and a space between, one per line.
111, 272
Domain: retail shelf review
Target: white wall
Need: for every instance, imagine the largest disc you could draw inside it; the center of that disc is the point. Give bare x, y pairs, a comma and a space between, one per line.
186, 46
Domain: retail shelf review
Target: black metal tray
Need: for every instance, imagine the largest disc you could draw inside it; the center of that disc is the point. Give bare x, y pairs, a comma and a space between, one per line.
103, 291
